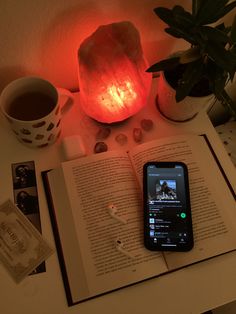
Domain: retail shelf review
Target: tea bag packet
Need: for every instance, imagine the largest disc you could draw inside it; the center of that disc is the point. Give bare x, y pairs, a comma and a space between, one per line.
22, 248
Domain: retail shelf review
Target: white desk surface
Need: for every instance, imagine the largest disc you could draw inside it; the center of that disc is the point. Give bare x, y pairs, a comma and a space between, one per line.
194, 289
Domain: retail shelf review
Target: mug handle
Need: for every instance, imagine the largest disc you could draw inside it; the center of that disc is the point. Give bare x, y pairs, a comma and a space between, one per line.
65, 105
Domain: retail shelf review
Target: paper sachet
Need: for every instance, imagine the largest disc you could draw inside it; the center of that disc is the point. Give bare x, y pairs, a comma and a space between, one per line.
22, 247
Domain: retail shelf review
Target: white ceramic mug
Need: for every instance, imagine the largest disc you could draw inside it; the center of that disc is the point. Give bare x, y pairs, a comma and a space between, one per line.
34, 109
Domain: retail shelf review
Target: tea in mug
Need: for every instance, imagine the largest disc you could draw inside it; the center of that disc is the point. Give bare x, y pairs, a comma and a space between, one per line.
31, 106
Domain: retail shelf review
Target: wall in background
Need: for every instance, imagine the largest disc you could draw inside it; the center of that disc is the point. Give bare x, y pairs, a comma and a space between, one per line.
42, 37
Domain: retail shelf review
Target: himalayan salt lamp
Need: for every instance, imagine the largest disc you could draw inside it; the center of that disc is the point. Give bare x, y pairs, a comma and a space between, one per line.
112, 79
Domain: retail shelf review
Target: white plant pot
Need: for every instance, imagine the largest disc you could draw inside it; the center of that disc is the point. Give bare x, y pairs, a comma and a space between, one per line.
184, 110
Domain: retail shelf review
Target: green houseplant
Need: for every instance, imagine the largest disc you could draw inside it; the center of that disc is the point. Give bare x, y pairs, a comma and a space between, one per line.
210, 61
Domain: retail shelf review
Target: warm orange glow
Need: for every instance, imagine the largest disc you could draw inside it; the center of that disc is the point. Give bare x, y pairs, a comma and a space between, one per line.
113, 81
117, 96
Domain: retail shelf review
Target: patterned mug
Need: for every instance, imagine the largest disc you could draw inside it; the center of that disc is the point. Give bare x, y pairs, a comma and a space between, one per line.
34, 109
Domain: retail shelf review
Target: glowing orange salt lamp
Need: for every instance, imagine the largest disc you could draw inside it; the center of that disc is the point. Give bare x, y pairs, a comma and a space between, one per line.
112, 78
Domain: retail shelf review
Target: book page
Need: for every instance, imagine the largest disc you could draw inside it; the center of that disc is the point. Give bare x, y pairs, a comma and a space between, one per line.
93, 183
212, 203
68, 249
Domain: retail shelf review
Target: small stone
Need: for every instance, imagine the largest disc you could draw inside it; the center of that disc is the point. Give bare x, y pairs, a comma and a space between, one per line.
100, 147
121, 139
137, 135
146, 124
103, 133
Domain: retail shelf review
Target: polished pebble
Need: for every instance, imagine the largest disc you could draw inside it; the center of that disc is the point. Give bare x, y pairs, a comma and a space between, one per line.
121, 139
146, 124
103, 133
100, 147
137, 135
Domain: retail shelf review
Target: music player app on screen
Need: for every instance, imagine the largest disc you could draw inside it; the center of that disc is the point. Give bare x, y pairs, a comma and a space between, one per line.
167, 212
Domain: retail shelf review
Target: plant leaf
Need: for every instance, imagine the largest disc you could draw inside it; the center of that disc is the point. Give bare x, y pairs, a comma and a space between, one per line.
232, 74
163, 65
166, 15
223, 28
208, 10
222, 57
233, 31
190, 77
227, 102
180, 34
196, 5
180, 22
217, 72
190, 55
177, 17
217, 77
214, 34
224, 11
182, 17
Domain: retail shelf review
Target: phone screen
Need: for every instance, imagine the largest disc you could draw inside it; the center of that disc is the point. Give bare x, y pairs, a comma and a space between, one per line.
167, 212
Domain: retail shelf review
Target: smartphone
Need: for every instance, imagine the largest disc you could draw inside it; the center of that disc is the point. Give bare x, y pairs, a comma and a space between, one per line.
167, 210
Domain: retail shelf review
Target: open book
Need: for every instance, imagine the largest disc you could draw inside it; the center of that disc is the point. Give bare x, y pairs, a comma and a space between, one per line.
80, 191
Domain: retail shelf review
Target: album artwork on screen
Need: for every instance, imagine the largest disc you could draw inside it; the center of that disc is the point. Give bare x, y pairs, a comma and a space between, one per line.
164, 189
